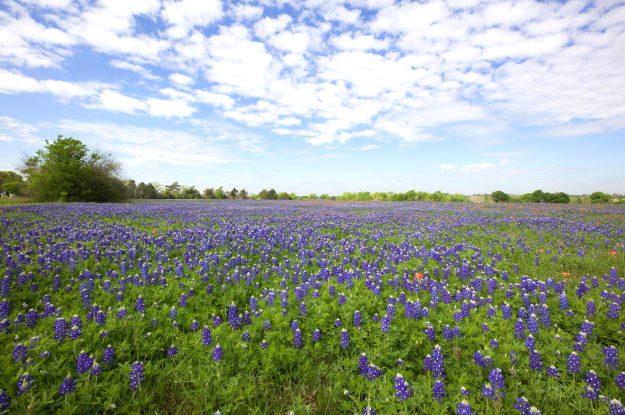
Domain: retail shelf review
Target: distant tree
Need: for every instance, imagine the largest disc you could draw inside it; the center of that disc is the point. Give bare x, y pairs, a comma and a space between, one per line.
599, 197
172, 191
272, 194
11, 183
284, 196
243, 194
379, 196
233, 194
456, 197
499, 196
538, 196
131, 187
147, 191
437, 196
140, 193
65, 170
189, 192
559, 197
220, 194
152, 192
209, 193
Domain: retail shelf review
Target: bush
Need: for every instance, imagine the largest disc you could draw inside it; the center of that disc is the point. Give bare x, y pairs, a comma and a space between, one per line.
66, 171
499, 196
599, 197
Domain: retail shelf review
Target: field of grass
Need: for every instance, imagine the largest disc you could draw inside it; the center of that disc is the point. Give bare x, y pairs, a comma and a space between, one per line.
312, 307
12, 201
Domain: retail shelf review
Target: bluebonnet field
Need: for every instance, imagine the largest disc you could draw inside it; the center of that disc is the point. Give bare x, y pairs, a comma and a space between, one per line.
253, 307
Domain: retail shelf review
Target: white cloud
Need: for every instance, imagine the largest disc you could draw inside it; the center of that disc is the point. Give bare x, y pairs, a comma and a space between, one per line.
294, 42
343, 15
183, 15
268, 26
212, 98
132, 67
223, 132
181, 79
409, 16
109, 27
238, 64
15, 83
247, 12
114, 101
447, 167
169, 108
361, 42
26, 42
54, 4
12, 129
143, 146
323, 71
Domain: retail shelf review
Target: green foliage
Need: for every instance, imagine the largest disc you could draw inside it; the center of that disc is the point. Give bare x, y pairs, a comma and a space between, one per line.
66, 171
409, 196
220, 194
499, 196
270, 194
599, 197
538, 196
147, 191
11, 183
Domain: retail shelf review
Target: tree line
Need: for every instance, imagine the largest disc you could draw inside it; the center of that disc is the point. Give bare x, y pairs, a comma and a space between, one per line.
65, 170
538, 196
178, 191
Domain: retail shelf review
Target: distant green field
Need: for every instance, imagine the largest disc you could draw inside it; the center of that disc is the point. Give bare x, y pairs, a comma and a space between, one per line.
11, 201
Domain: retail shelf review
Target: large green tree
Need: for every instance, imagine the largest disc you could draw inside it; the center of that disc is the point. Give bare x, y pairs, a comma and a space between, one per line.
66, 170
11, 183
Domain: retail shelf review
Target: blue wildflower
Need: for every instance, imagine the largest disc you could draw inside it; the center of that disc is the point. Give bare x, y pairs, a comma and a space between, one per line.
172, 351
344, 339
83, 362
24, 383
298, 341
610, 357
5, 400
218, 353
464, 408
402, 389
438, 390
136, 375
207, 338
109, 355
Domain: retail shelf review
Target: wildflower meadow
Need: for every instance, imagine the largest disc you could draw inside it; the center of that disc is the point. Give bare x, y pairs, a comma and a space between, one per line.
312, 307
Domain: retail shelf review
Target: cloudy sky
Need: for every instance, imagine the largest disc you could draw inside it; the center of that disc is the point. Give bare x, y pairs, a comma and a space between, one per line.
306, 96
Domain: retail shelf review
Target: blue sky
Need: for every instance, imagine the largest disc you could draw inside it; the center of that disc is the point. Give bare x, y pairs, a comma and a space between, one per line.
318, 96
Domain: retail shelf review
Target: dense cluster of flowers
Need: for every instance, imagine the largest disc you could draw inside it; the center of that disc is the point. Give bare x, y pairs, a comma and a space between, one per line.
266, 283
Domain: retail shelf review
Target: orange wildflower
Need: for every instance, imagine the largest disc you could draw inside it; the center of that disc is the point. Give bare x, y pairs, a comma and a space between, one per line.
418, 276
613, 252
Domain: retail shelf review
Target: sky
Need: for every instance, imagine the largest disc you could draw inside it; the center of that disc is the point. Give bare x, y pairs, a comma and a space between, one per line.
318, 96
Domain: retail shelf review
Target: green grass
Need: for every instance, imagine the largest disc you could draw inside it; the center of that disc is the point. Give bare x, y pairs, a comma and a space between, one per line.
13, 201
